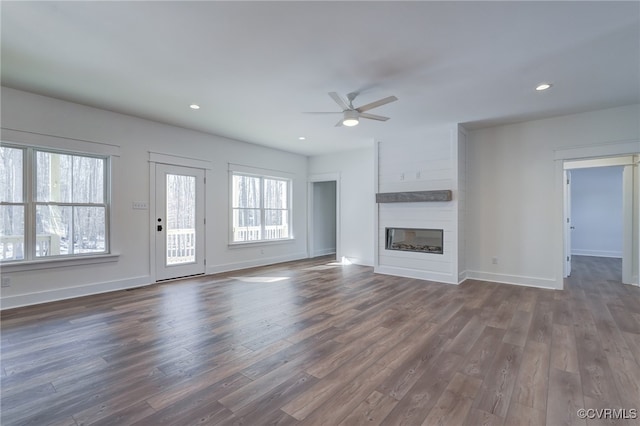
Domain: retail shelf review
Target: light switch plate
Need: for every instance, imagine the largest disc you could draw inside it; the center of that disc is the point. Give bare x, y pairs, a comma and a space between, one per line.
140, 205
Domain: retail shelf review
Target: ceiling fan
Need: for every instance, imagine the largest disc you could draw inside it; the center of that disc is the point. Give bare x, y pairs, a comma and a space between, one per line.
352, 115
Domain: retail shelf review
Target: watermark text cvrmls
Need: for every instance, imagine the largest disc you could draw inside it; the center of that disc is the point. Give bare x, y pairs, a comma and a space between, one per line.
608, 413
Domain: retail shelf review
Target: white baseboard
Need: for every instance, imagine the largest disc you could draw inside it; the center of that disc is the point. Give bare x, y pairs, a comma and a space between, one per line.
262, 261
324, 252
415, 273
596, 253
358, 261
548, 283
36, 298
462, 276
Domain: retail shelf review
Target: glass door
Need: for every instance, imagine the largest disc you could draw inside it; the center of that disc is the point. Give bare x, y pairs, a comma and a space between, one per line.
179, 221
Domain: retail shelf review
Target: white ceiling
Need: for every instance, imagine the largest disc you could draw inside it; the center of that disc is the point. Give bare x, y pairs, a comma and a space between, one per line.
256, 67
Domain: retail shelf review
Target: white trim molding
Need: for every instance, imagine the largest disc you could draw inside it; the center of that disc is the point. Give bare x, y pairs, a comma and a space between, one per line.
606, 149
179, 160
33, 265
596, 253
444, 278
549, 283
39, 297
40, 140
227, 267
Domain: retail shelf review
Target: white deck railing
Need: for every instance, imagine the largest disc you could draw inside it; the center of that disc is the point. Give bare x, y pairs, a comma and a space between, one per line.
252, 233
181, 246
12, 246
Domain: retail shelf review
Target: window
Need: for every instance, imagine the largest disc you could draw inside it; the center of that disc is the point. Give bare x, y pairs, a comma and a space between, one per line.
261, 208
53, 204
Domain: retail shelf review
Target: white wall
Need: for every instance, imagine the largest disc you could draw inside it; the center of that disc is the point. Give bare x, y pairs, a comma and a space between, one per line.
356, 203
514, 191
130, 229
596, 211
324, 218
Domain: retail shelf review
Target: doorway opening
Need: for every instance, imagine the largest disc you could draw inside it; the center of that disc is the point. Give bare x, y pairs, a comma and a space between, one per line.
324, 218
600, 202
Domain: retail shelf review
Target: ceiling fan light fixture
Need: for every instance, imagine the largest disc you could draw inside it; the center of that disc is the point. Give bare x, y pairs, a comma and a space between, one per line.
350, 119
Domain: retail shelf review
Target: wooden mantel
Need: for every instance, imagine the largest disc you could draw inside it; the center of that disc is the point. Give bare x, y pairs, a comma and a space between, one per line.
413, 196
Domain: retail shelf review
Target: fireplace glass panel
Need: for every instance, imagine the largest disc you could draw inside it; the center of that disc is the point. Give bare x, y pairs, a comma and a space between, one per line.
414, 239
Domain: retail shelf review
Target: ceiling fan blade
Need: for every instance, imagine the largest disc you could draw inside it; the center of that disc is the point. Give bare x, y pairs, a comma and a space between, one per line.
376, 104
339, 101
339, 123
373, 116
321, 112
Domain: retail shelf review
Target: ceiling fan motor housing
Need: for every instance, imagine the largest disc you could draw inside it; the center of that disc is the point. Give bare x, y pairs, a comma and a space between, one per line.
351, 118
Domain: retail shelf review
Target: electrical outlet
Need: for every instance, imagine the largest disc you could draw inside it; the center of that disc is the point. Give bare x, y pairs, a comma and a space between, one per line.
261, 251
6, 281
494, 260
401, 176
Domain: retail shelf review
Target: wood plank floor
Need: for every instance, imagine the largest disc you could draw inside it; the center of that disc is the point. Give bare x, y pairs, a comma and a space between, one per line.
314, 343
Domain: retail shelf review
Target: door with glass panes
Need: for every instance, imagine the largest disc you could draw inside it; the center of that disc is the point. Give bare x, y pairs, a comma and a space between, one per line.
179, 221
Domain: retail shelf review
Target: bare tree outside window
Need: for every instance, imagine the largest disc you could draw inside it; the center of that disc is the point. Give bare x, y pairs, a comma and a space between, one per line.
12, 208
68, 205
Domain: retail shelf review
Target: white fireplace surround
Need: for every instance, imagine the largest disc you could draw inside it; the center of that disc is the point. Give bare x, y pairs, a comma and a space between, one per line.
410, 177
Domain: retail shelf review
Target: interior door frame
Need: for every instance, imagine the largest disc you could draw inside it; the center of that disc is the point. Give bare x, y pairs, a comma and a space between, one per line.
568, 226
170, 160
323, 177
630, 191
598, 150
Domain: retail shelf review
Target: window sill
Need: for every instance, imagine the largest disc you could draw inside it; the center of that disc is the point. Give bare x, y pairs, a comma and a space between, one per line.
34, 265
260, 243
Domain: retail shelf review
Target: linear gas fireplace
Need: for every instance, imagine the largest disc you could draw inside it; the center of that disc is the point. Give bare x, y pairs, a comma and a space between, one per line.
414, 239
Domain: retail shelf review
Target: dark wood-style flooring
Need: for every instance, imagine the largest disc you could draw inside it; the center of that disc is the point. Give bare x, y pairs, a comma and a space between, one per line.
313, 343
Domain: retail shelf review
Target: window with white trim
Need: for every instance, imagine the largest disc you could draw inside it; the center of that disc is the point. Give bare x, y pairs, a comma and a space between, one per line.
261, 208
52, 204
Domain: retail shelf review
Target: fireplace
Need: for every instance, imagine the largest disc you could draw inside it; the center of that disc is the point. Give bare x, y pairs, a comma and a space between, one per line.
414, 239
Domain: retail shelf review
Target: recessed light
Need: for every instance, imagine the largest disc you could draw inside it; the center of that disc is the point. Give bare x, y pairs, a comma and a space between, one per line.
543, 86
302, 138
194, 106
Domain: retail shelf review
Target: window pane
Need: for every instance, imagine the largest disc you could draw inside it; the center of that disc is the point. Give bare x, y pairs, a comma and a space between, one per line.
53, 177
246, 191
181, 219
88, 229
11, 232
53, 230
276, 224
181, 196
275, 194
246, 225
88, 176
11, 160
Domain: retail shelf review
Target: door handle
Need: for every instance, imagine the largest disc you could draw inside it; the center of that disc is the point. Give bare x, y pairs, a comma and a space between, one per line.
159, 228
